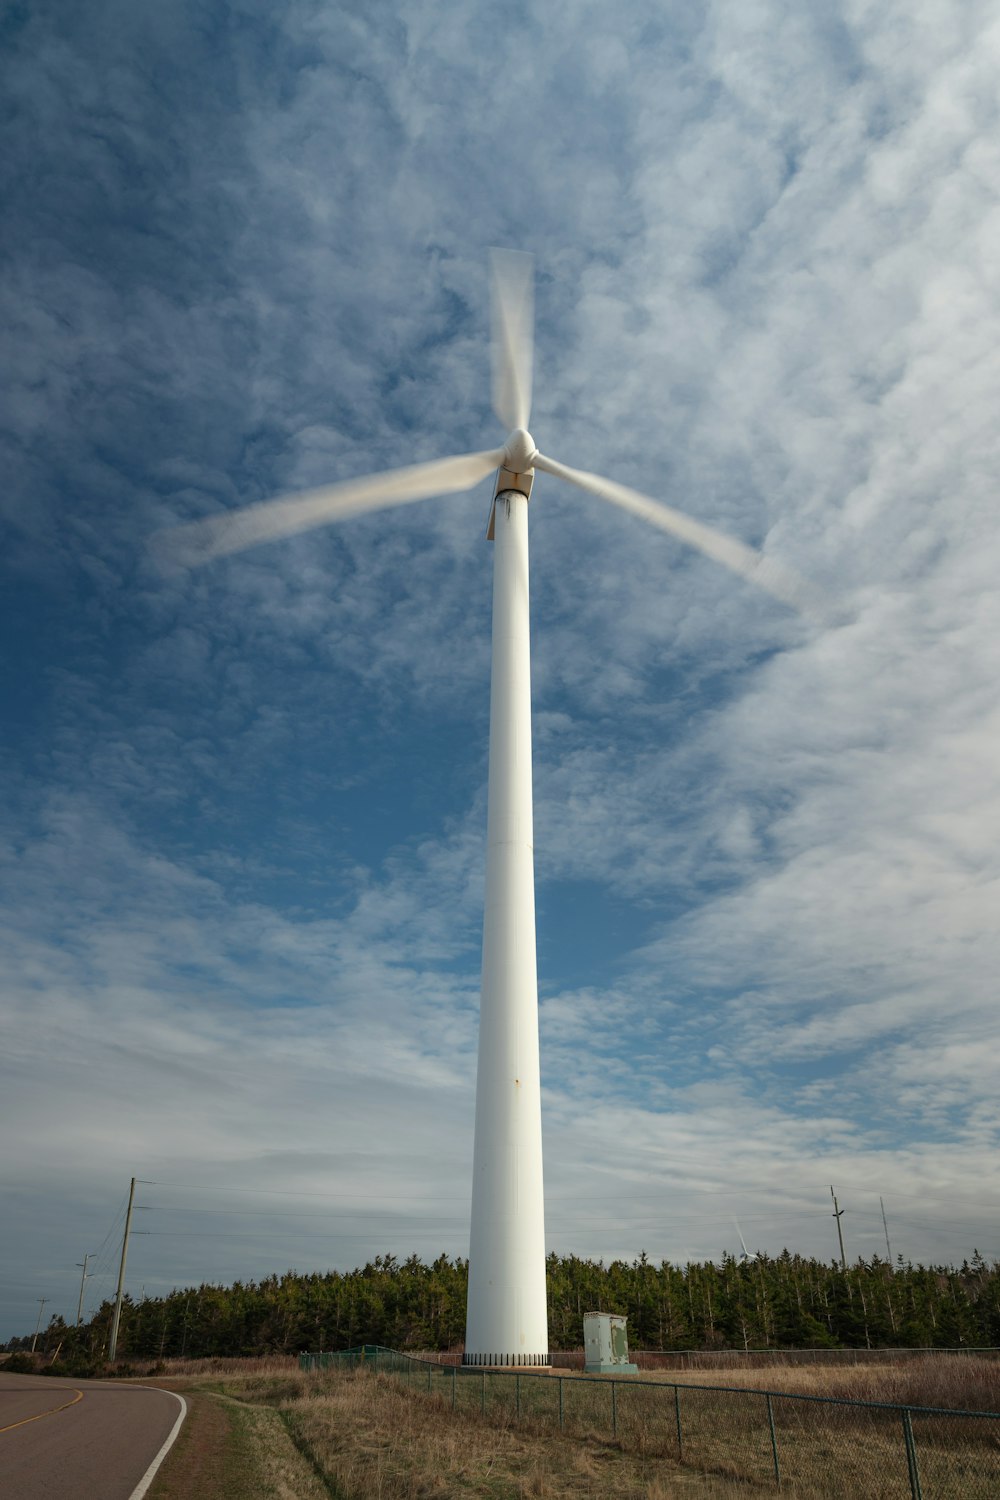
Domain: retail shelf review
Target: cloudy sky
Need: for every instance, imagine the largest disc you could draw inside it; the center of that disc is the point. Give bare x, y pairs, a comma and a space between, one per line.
243, 808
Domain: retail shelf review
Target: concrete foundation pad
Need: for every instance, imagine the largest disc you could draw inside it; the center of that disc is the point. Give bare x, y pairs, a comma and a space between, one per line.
504, 1369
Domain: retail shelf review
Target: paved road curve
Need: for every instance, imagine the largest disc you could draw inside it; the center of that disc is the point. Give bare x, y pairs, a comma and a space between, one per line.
79, 1439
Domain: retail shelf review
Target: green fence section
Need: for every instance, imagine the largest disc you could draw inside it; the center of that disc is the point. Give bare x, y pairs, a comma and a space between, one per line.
818, 1445
343, 1359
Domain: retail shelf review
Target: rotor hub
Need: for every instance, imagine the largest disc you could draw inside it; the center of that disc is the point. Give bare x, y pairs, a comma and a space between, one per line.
519, 451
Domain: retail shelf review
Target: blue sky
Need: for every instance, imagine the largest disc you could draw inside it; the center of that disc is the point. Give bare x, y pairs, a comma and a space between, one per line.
243, 812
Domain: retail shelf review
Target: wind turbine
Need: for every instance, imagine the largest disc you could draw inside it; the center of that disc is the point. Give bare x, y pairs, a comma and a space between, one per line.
744, 1252
507, 1320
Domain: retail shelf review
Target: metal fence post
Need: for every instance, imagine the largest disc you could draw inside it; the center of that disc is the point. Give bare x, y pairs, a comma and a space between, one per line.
517, 1395
454, 1382
429, 1372
774, 1442
911, 1455
561, 1408
614, 1408
677, 1414
482, 1399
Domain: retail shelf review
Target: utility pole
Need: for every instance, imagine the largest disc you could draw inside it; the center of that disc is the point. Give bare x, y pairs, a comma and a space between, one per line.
888, 1247
83, 1282
113, 1345
41, 1304
837, 1213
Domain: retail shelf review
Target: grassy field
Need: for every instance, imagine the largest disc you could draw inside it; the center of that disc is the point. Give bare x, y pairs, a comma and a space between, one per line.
743, 1433
272, 1433
288, 1433
958, 1382
962, 1383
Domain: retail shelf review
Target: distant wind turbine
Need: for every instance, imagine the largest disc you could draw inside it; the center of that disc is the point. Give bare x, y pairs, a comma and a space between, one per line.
744, 1252
506, 1318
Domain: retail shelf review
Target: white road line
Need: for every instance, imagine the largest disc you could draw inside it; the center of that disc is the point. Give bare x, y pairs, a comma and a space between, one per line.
150, 1473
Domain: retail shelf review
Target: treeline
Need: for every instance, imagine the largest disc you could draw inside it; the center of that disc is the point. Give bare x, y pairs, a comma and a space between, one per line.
783, 1302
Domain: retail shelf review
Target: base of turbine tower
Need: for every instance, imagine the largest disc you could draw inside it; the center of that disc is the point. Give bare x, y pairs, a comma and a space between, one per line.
496, 1361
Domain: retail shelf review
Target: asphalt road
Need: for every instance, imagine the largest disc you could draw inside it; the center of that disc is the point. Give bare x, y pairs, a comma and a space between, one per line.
78, 1439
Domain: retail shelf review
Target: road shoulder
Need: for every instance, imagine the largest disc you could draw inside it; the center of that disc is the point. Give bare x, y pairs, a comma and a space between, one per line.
229, 1450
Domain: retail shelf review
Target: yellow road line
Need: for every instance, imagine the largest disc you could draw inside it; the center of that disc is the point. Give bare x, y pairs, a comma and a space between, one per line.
50, 1413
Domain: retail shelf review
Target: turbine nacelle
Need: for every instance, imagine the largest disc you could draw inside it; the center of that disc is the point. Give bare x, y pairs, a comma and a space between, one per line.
516, 470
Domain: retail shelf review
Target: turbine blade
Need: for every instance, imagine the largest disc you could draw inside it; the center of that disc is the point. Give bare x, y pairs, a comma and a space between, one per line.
737, 556
513, 336
201, 541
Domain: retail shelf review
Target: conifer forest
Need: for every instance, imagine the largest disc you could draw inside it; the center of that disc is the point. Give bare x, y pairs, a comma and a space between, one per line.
761, 1302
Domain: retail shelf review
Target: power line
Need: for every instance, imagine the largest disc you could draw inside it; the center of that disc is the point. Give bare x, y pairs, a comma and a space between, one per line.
210, 1187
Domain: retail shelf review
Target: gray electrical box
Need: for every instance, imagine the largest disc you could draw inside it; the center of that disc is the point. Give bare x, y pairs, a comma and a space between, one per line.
605, 1345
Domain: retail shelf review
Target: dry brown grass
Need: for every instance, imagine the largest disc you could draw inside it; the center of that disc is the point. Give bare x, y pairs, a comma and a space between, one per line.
959, 1383
266, 1364
266, 1383
426, 1436
374, 1439
371, 1439
229, 1451
826, 1450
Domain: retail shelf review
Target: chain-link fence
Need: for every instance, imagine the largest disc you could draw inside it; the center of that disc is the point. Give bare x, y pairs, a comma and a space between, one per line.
816, 1445
683, 1360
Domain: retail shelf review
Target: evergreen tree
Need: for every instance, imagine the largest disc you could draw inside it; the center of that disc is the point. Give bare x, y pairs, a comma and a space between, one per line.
759, 1303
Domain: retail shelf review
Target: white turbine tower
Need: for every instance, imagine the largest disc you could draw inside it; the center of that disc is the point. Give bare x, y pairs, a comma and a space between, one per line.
506, 1321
